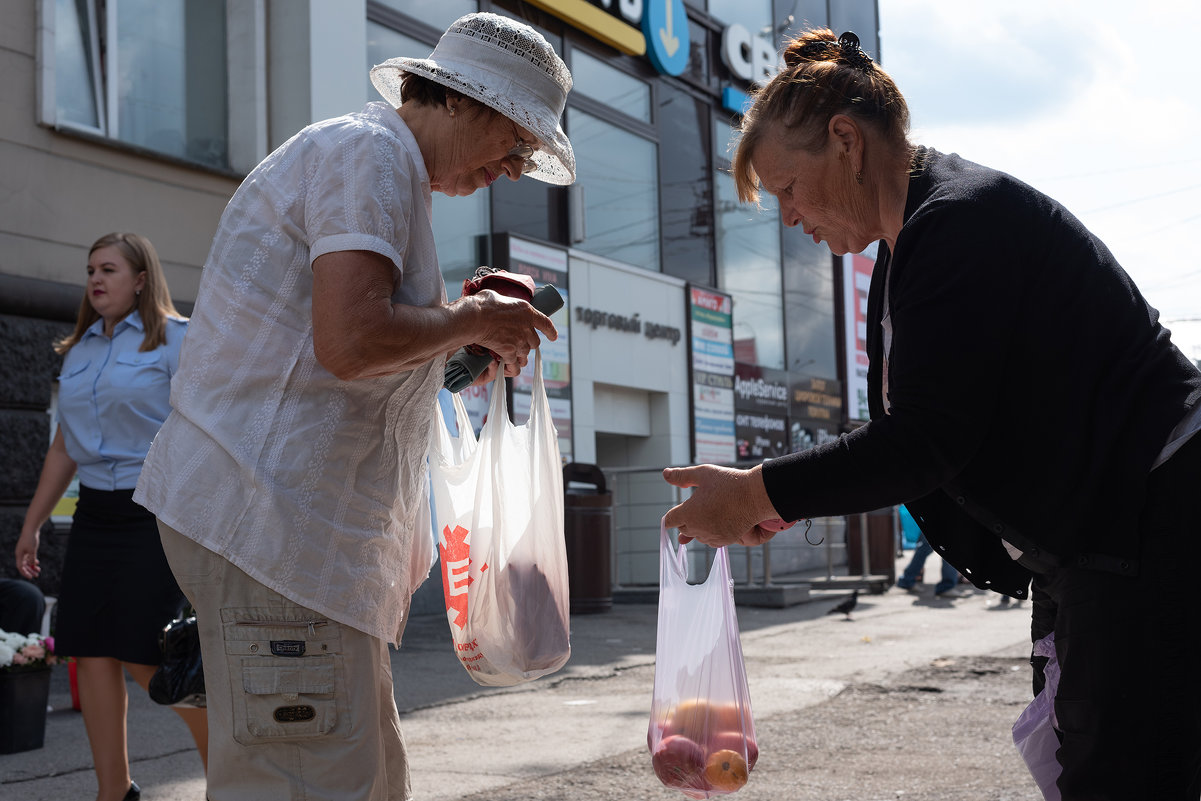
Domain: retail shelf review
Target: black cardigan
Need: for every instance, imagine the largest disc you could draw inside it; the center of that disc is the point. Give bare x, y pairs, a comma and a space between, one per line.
1031, 386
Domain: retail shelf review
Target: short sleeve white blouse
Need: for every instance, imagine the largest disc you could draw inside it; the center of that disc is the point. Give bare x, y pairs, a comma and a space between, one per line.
312, 485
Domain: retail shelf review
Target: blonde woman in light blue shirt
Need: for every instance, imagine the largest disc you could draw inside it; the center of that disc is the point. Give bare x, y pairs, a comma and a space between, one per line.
117, 589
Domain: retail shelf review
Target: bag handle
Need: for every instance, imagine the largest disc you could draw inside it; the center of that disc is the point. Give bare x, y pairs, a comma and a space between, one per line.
673, 565
442, 445
462, 418
673, 561
498, 408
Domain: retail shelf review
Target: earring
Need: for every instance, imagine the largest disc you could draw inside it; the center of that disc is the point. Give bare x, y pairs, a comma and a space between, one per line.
859, 177
452, 111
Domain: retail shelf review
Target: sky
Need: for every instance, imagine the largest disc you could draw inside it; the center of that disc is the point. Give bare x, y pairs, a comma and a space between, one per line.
1096, 103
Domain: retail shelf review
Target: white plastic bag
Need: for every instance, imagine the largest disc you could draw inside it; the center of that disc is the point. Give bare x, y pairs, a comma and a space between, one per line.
1034, 732
701, 734
499, 515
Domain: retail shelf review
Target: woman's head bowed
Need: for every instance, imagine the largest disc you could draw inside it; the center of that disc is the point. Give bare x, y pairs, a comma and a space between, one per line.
823, 76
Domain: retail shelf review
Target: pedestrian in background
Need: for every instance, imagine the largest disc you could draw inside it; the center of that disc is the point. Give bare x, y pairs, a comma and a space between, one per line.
1025, 405
913, 572
117, 589
289, 480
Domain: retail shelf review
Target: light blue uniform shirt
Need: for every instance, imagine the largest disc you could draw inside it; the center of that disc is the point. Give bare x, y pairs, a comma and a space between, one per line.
112, 399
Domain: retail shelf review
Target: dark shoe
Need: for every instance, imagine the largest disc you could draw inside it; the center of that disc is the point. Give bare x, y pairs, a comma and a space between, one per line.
135, 792
954, 592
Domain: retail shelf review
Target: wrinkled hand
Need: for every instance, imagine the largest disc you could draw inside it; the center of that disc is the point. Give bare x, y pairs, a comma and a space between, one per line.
27, 554
509, 328
726, 507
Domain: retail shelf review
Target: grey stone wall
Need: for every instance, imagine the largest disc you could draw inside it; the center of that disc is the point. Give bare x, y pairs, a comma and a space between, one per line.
28, 369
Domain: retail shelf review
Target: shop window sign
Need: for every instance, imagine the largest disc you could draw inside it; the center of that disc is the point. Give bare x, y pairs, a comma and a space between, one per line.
665, 26
711, 331
659, 30
761, 398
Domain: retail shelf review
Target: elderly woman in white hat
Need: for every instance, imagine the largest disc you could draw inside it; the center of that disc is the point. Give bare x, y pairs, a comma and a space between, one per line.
289, 479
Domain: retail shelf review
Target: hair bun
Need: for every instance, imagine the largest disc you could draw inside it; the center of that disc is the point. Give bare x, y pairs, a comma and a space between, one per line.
820, 45
811, 47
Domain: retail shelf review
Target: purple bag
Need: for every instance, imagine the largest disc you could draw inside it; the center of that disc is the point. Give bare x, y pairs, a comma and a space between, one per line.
1034, 732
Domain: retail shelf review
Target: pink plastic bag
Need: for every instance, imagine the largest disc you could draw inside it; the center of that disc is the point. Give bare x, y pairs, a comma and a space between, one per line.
701, 735
1034, 732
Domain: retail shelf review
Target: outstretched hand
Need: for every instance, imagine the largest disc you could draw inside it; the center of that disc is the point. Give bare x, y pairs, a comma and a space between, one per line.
727, 506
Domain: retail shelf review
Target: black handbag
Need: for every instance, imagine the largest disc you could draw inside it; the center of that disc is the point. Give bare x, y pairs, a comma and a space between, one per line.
179, 680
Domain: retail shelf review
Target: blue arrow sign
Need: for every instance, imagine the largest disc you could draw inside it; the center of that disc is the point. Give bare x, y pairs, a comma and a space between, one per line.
665, 26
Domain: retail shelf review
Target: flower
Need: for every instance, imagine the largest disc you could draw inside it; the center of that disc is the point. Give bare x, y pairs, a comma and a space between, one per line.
25, 652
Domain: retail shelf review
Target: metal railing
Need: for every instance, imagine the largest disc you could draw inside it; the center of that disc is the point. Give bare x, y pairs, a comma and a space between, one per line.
641, 497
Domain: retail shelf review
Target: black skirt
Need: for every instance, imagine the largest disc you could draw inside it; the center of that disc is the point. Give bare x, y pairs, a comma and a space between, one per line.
117, 590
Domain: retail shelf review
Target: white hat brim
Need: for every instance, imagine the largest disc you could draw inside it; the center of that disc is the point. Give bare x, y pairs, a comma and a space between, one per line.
554, 160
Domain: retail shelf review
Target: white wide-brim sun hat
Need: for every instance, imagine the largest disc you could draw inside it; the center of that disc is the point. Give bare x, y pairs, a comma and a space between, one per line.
507, 66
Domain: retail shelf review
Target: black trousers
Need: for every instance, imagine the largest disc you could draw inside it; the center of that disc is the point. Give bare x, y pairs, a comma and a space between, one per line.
1129, 650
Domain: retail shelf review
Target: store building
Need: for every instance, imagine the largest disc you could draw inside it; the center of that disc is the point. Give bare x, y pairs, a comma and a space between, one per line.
695, 328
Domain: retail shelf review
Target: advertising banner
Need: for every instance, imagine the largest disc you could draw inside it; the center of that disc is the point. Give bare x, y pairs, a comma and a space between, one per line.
546, 265
711, 334
760, 411
815, 412
857, 278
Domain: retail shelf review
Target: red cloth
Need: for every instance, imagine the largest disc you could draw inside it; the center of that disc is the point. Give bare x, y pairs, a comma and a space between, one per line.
502, 282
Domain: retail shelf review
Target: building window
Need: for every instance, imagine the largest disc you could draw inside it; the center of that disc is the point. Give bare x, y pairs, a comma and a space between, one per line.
149, 73
860, 16
686, 181
809, 305
609, 85
435, 13
461, 224
754, 15
617, 191
748, 263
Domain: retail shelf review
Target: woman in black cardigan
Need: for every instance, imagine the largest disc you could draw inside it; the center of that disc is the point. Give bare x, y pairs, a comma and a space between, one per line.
1026, 407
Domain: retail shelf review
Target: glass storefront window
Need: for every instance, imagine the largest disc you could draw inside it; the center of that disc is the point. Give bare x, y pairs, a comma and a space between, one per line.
461, 224
809, 306
687, 186
698, 53
748, 264
617, 173
160, 82
611, 86
754, 15
806, 14
435, 13
858, 16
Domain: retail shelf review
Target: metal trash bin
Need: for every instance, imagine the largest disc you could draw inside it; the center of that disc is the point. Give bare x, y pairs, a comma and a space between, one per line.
881, 545
587, 528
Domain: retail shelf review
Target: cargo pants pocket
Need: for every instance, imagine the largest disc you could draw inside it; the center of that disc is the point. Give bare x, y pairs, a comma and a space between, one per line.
286, 675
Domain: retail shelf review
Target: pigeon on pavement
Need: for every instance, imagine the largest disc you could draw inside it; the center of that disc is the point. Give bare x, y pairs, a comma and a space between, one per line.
846, 606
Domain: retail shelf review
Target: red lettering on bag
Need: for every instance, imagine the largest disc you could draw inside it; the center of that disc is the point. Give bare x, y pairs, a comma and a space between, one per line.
455, 553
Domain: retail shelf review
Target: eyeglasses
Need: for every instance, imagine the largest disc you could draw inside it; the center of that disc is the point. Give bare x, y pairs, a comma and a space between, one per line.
524, 151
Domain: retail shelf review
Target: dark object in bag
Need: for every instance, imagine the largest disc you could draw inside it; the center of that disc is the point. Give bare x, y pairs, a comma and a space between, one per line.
179, 680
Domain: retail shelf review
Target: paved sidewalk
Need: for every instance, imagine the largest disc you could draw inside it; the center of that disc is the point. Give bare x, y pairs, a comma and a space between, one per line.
581, 733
